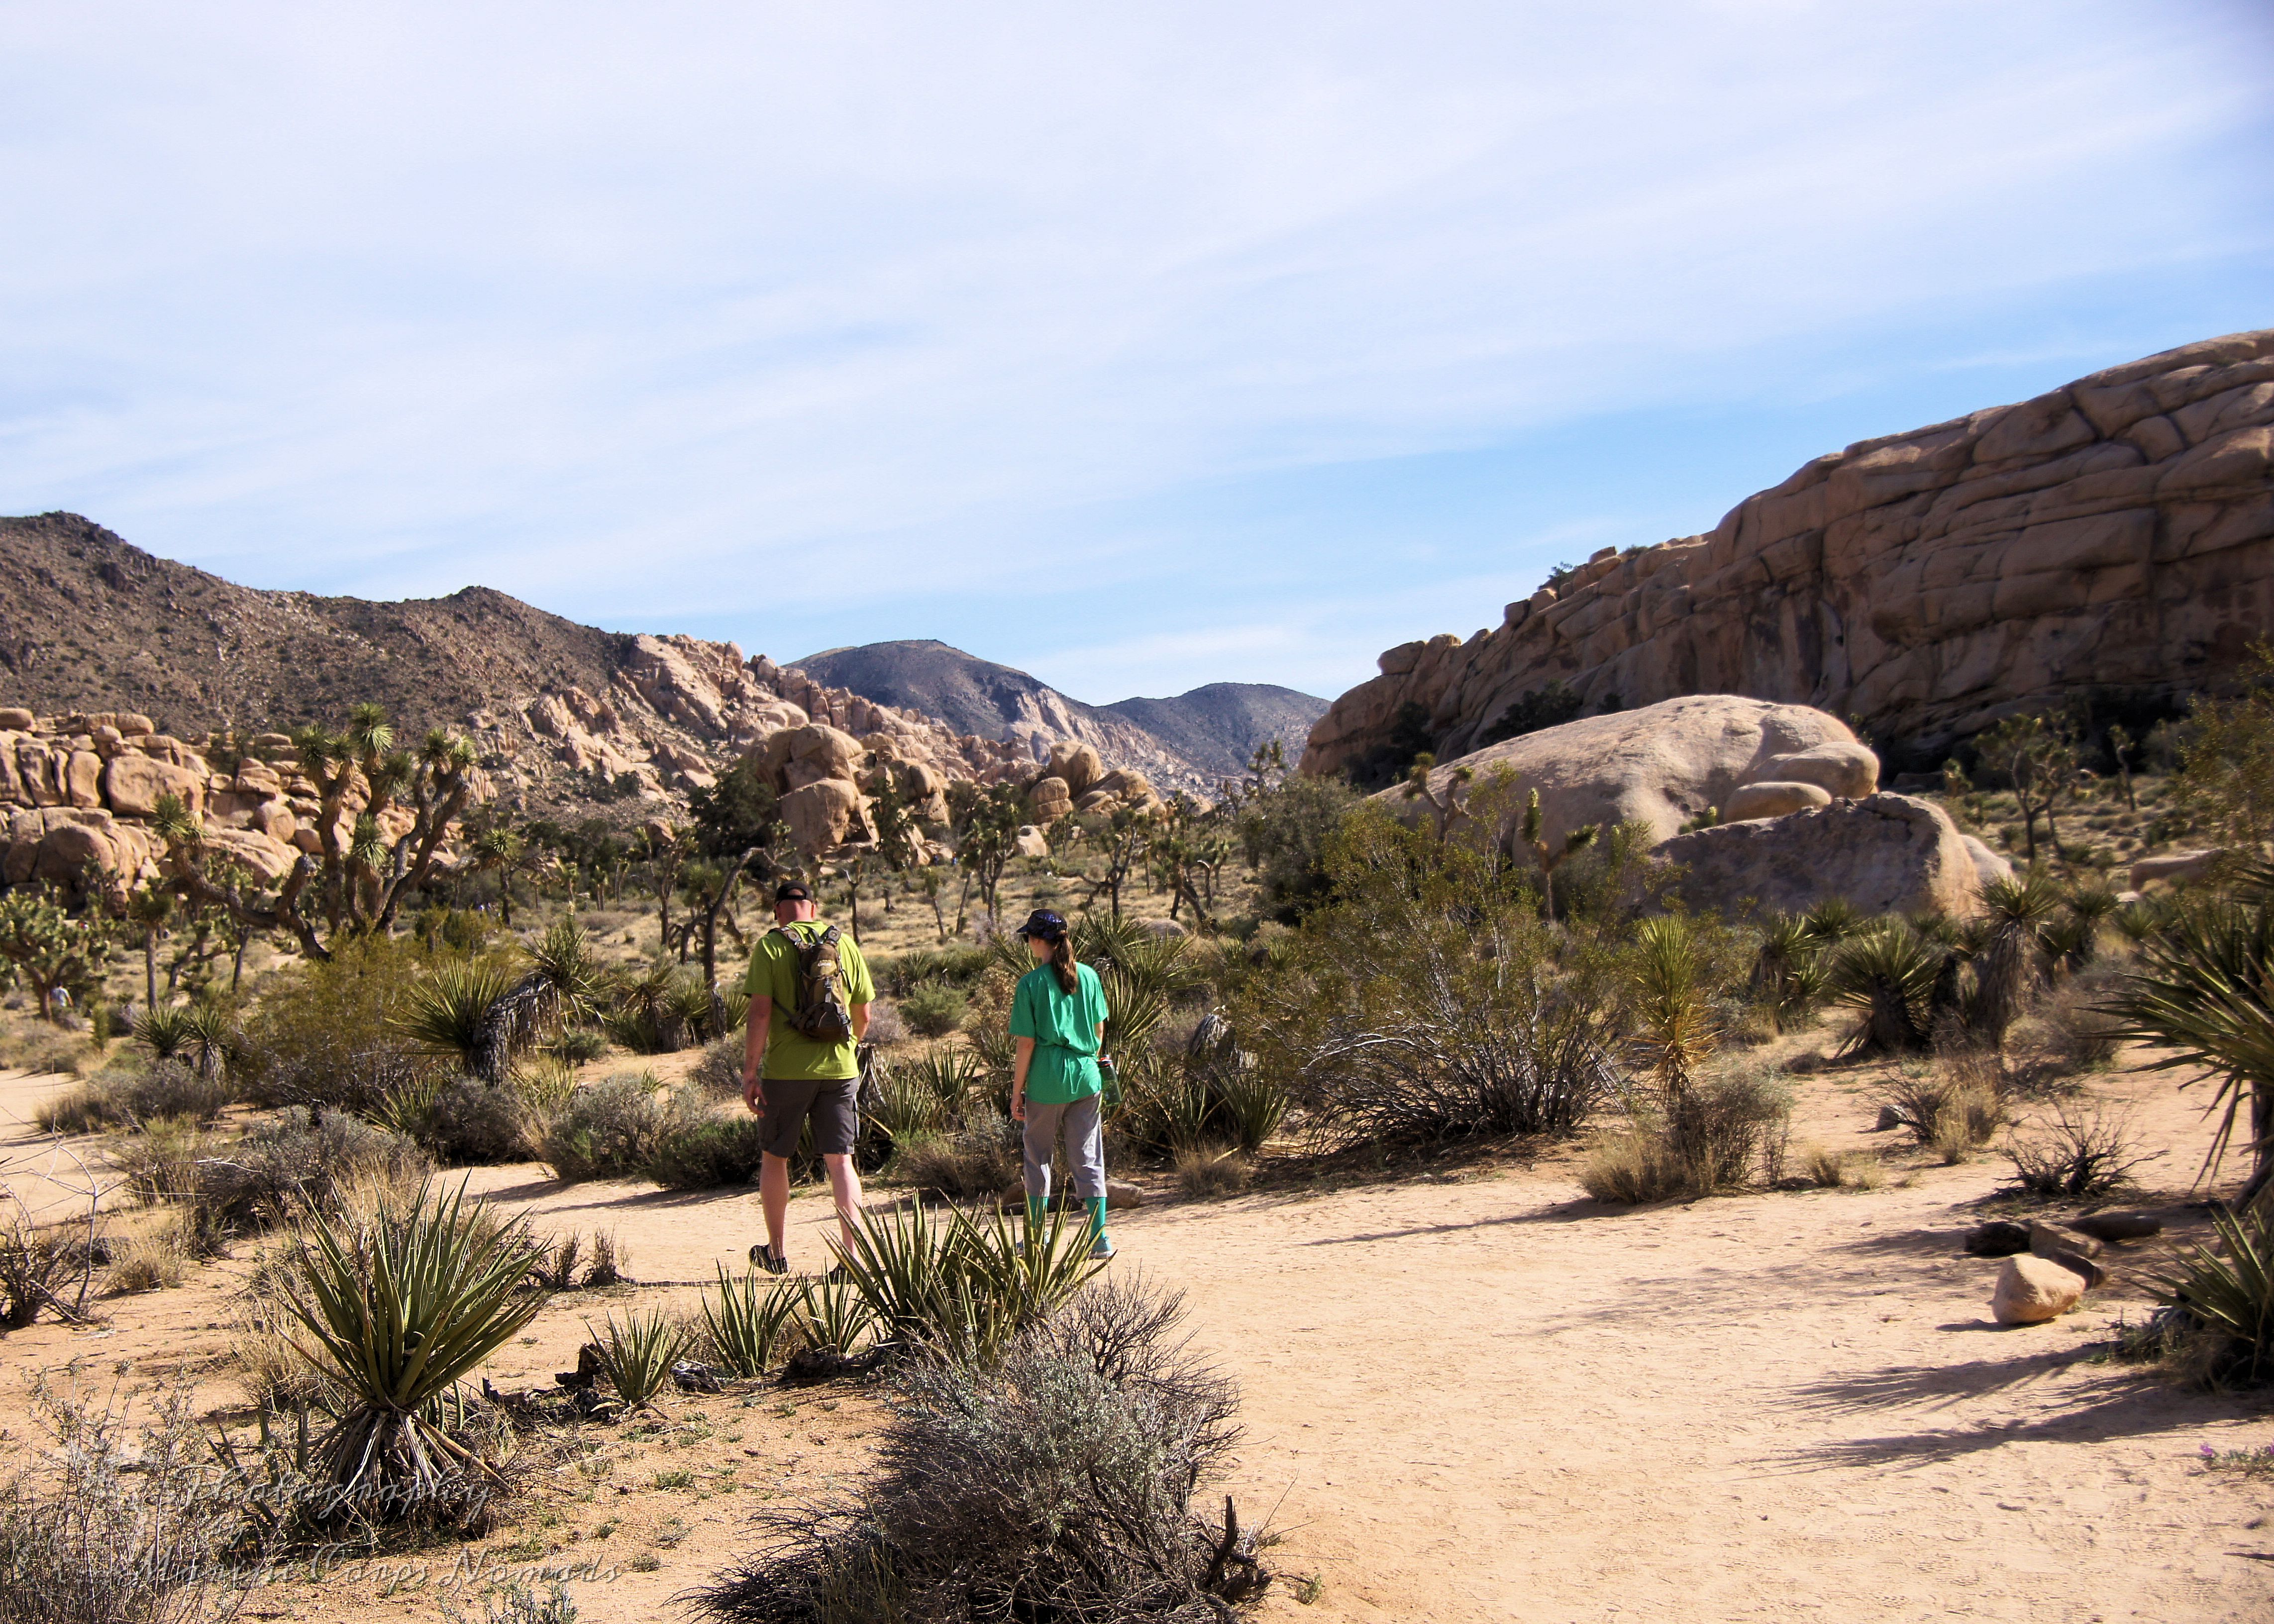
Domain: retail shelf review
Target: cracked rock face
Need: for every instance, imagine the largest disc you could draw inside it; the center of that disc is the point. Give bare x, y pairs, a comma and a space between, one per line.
2116, 533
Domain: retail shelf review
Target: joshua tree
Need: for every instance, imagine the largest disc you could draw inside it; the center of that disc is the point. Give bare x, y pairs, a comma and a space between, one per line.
499, 850
987, 837
358, 884
1443, 807
52, 949
2038, 756
148, 910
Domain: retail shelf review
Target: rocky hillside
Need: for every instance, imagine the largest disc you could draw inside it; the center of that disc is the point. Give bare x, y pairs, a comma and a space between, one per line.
562, 714
1191, 742
2115, 537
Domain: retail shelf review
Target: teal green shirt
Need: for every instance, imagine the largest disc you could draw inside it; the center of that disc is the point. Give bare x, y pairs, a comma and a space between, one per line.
792, 1056
1064, 1026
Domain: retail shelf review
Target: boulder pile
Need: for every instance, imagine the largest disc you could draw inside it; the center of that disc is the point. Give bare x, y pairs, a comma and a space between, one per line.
85, 787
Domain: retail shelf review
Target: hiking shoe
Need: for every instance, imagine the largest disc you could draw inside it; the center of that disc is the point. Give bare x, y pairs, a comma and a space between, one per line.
761, 1258
837, 1277
1101, 1248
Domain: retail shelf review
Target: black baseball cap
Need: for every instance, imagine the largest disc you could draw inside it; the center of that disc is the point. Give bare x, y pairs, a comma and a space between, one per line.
1043, 923
792, 891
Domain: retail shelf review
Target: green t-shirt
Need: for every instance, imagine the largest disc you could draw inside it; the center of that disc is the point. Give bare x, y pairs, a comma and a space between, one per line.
792, 1056
1064, 1026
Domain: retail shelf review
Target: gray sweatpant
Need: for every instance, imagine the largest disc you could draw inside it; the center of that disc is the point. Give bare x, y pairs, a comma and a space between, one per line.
1085, 1146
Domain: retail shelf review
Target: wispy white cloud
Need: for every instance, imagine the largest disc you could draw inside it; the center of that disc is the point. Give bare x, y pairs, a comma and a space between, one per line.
778, 317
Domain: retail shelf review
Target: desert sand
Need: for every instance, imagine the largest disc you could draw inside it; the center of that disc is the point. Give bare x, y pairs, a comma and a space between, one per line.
1478, 1395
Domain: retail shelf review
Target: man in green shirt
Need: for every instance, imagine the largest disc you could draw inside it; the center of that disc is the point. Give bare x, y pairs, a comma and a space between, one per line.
788, 1076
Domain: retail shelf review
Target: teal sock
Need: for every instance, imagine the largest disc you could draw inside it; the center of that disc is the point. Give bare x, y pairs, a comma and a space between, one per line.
1096, 1205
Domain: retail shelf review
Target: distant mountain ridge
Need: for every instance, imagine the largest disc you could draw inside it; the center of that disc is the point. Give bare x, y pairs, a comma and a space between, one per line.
1191, 741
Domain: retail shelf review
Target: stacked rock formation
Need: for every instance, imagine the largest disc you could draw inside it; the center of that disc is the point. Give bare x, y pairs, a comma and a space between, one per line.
1075, 779
2114, 535
87, 786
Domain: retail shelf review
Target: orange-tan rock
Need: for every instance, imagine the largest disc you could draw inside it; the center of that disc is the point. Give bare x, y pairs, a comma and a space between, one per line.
2116, 534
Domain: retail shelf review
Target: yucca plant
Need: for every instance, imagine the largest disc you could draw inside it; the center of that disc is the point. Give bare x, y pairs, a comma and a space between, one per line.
2136, 921
832, 1318
1790, 976
2204, 992
636, 1355
2230, 1296
1833, 920
447, 1011
398, 1310
1887, 977
948, 1075
1677, 1026
961, 1288
212, 1037
749, 1321
2016, 911
163, 1029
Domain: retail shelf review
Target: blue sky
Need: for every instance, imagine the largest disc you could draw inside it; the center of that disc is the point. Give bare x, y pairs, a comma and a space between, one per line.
1140, 347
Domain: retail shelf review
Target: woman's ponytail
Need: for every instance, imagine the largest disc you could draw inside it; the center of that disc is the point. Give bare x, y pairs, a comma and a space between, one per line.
1062, 961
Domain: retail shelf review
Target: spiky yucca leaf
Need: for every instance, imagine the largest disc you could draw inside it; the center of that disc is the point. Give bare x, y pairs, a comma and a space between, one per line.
1886, 976
751, 1320
2232, 1295
396, 1311
2204, 992
636, 1355
164, 1030
445, 1011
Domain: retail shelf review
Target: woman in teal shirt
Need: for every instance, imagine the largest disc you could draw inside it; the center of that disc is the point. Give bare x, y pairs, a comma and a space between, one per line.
1058, 1022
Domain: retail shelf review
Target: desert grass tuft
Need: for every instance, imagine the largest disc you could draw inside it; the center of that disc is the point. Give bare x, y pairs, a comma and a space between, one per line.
1205, 1174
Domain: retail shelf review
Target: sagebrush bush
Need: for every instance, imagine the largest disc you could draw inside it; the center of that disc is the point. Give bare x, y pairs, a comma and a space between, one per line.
474, 1123
935, 1009
1725, 1131
298, 1162
324, 1034
1952, 1106
608, 1129
698, 1149
719, 1073
1054, 1484
886, 1026
975, 1164
120, 1531
119, 1098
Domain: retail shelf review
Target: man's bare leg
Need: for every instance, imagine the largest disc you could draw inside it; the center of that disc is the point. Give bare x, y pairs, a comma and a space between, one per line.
773, 1196
844, 1189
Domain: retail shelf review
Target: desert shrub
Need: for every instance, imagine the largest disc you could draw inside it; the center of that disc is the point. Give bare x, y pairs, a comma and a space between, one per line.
49, 1270
161, 1163
128, 1099
1633, 1167
1790, 977
1951, 1106
120, 1529
581, 1045
1205, 1175
1284, 832
471, 1124
719, 1073
2069, 1033
886, 1026
1429, 1001
156, 1258
608, 1129
2080, 1152
950, 966
297, 1163
698, 1150
1054, 1484
977, 1162
1722, 1128
935, 1009
2222, 1301
324, 1034
1824, 1168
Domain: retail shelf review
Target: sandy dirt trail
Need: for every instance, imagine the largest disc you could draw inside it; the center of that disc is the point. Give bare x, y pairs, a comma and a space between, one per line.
1486, 1398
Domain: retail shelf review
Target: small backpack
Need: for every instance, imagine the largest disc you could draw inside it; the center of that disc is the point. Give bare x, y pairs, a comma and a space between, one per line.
820, 1014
